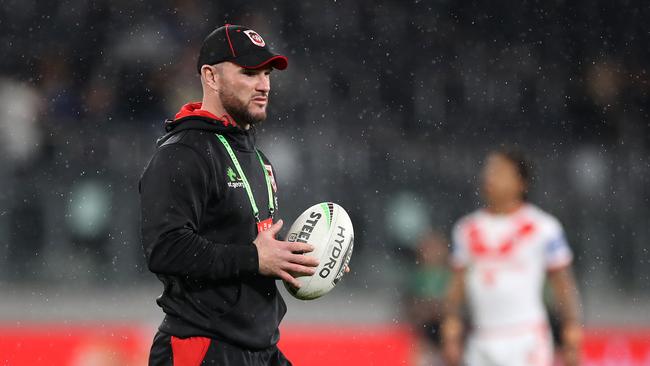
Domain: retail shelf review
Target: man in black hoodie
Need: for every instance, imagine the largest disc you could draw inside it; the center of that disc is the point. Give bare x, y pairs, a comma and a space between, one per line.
208, 200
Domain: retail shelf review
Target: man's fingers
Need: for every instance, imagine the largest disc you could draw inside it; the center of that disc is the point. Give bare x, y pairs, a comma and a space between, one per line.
304, 260
301, 248
297, 269
275, 228
286, 277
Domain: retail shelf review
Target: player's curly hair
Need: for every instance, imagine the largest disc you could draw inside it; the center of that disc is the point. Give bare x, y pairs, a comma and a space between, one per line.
521, 161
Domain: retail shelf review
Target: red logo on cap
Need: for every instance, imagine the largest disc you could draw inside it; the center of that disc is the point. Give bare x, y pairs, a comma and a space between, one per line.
255, 38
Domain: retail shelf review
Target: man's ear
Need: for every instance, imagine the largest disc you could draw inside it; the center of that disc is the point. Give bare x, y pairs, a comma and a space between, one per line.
210, 76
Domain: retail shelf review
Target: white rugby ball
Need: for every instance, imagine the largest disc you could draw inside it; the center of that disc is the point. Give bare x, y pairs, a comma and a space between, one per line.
328, 228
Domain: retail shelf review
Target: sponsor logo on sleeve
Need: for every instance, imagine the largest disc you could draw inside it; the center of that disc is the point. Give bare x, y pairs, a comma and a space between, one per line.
269, 170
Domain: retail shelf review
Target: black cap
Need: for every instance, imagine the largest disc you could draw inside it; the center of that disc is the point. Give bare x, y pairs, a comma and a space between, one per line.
239, 45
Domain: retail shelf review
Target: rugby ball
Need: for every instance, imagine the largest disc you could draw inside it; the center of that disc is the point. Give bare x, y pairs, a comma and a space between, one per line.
328, 228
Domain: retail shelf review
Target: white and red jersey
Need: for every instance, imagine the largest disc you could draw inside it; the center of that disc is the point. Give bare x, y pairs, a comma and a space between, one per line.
505, 258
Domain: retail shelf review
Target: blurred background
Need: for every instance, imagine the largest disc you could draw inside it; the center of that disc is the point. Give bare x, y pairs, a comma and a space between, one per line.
405, 98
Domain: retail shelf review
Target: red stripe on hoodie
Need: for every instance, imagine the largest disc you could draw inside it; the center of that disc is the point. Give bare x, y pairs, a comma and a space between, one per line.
194, 109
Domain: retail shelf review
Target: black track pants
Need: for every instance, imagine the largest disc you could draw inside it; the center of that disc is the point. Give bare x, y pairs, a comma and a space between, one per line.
168, 350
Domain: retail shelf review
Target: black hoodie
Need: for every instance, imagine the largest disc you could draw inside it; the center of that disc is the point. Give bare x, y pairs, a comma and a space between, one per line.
197, 233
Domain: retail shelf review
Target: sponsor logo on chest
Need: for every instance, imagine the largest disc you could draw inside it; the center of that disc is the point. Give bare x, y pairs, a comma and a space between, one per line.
233, 180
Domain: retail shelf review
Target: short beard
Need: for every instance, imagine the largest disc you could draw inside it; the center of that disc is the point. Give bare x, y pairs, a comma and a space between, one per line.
238, 110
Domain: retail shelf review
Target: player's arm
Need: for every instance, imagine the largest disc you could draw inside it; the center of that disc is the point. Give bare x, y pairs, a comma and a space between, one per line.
174, 190
452, 325
566, 297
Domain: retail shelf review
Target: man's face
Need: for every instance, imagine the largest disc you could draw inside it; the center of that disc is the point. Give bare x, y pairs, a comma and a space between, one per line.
501, 181
244, 93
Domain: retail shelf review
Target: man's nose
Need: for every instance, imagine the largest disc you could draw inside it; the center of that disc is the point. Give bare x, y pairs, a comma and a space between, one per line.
263, 84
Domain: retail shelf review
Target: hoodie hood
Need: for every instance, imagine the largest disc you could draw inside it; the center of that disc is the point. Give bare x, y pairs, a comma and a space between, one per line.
194, 109
192, 117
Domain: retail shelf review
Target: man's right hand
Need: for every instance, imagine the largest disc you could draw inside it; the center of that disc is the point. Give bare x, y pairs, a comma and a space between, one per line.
279, 258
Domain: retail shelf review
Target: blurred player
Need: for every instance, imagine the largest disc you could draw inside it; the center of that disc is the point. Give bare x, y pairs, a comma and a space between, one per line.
501, 256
